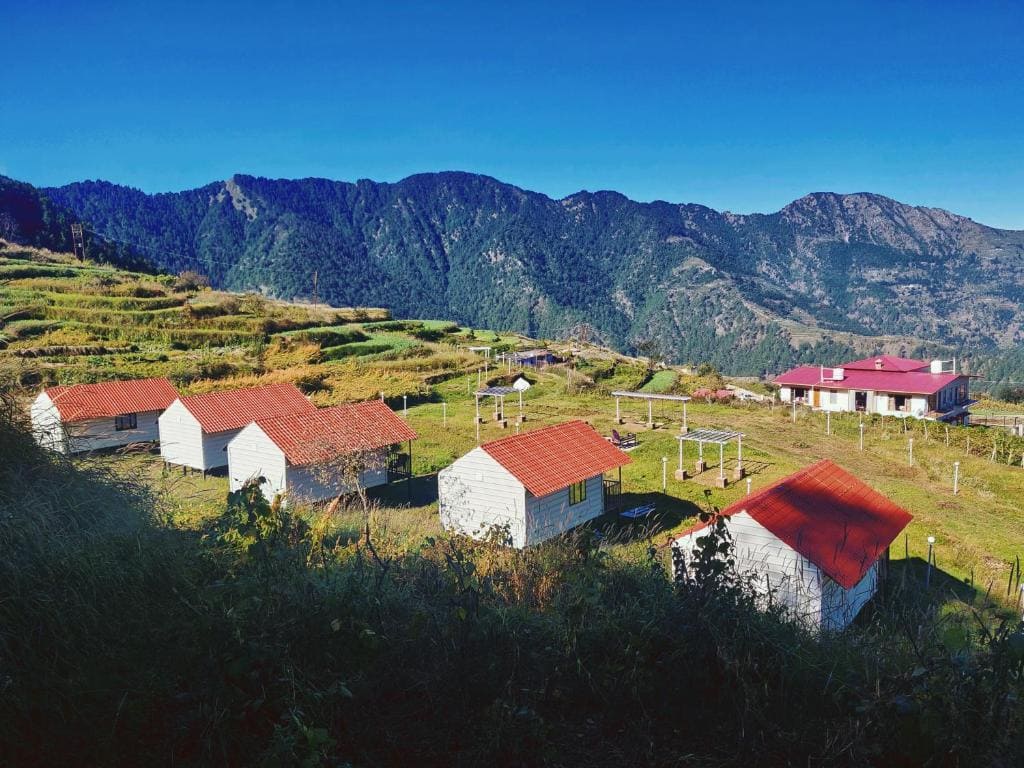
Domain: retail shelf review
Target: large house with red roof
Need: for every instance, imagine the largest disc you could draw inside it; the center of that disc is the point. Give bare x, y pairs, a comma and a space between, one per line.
813, 542
195, 430
85, 417
887, 385
321, 454
535, 485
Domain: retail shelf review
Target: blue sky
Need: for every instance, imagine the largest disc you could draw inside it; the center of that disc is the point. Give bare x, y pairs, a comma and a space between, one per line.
740, 106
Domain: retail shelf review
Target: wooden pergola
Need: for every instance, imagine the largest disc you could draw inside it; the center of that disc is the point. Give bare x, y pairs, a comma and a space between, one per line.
714, 437
650, 397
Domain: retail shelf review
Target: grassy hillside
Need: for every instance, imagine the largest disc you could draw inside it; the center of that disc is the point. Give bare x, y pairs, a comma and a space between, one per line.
141, 613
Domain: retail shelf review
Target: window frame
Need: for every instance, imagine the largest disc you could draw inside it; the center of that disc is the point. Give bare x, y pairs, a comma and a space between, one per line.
125, 422
577, 493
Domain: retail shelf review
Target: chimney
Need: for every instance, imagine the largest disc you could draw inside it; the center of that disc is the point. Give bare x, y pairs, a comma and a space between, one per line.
878, 363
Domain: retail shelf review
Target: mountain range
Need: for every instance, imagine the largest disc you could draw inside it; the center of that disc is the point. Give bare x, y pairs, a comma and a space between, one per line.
828, 276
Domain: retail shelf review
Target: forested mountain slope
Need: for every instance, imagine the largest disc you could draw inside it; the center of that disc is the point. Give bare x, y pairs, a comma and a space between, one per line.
826, 276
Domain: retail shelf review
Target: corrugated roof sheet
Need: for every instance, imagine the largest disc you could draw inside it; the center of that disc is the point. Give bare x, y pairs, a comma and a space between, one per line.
233, 409
326, 433
832, 518
902, 382
82, 402
549, 459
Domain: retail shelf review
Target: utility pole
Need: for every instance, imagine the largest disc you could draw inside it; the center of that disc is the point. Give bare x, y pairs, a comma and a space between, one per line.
78, 241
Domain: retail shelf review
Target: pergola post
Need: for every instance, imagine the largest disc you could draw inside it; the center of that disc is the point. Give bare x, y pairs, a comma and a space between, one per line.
650, 414
477, 397
618, 413
681, 472
700, 466
686, 428
739, 472
721, 465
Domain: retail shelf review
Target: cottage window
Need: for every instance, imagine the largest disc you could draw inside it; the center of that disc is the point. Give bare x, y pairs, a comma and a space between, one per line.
578, 492
126, 421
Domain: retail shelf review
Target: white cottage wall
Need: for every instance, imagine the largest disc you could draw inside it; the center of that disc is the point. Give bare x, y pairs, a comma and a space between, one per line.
181, 437
793, 580
550, 515
476, 493
47, 428
252, 454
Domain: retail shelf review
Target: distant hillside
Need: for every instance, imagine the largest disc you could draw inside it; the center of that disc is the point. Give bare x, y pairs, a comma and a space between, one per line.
29, 217
827, 276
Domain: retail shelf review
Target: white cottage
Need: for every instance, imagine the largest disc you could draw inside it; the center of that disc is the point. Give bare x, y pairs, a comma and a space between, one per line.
85, 417
537, 484
319, 454
815, 541
195, 430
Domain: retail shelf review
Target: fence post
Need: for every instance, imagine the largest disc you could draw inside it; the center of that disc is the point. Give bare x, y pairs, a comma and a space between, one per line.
956, 477
928, 570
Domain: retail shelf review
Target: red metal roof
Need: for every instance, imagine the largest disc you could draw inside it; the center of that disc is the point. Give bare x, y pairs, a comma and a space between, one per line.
549, 459
832, 518
233, 409
903, 382
82, 402
889, 363
326, 433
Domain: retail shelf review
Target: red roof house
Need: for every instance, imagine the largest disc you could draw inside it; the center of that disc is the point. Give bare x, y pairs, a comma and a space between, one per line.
816, 537
530, 486
111, 413
195, 430
304, 453
884, 384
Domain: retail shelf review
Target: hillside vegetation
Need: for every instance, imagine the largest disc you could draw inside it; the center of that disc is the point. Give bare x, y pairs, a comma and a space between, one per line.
148, 617
828, 277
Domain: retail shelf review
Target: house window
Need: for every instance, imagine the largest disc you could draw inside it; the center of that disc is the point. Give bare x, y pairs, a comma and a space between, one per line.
578, 492
126, 421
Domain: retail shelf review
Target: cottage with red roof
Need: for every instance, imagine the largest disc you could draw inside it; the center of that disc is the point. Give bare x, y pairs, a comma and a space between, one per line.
892, 386
320, 454
537, 484
814, 540
195, 430
85, 417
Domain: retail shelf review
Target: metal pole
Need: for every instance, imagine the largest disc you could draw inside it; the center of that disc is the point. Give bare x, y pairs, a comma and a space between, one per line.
748, 486
956, 477
910, 449
405, 405
828, 422
794, 411
520, 405
618, 416
862, 435
664, 473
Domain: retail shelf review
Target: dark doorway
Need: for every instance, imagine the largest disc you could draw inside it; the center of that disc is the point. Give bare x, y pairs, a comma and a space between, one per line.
860, 401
